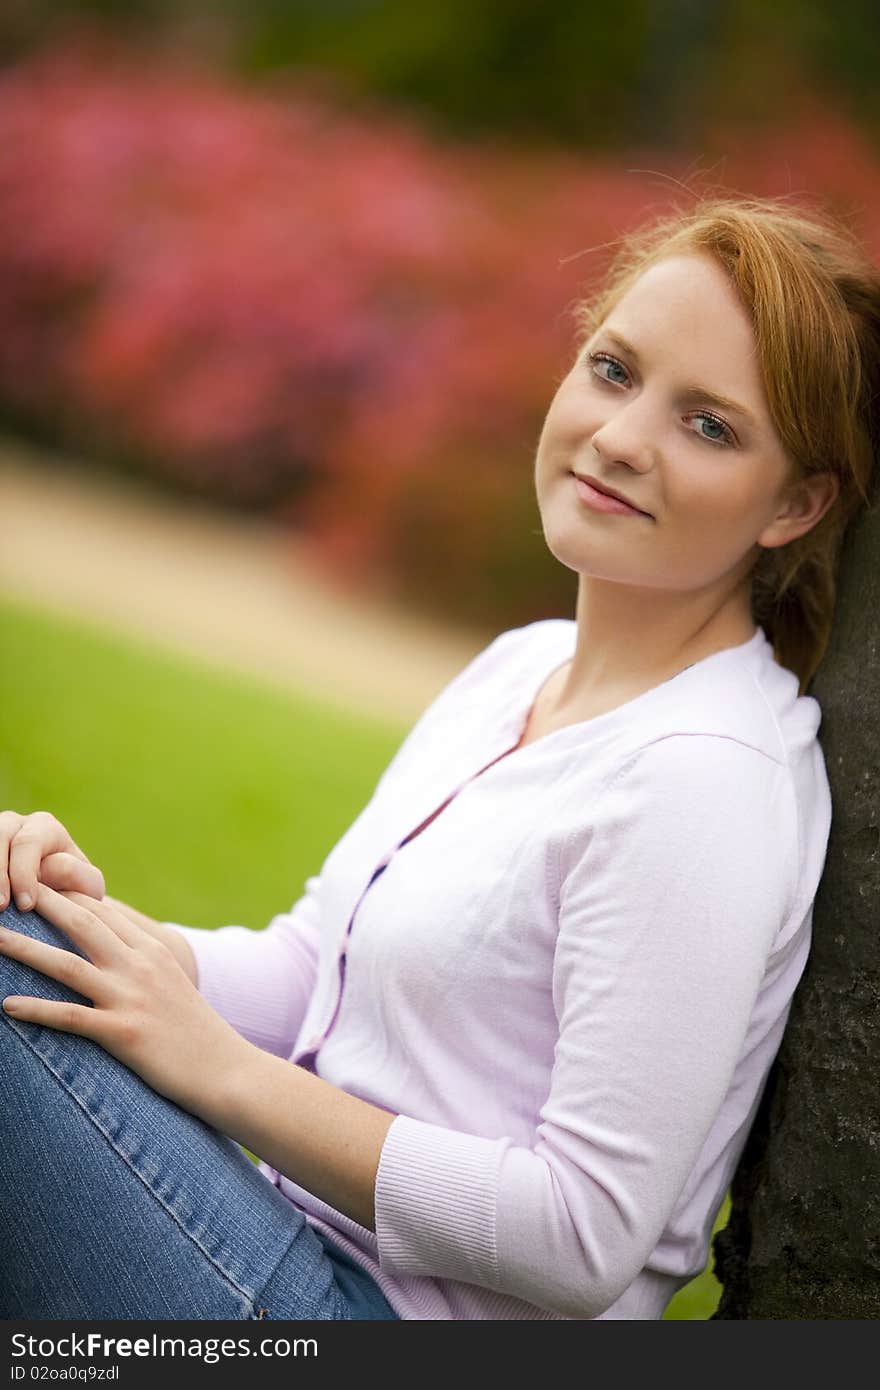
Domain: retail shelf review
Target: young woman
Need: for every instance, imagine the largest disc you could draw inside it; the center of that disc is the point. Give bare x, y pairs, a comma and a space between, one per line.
501, 1058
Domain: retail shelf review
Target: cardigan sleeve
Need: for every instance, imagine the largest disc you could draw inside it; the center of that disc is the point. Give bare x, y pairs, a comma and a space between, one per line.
261, 981
669, 903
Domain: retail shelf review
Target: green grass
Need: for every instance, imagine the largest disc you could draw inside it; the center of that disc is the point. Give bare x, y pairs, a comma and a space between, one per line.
205, 798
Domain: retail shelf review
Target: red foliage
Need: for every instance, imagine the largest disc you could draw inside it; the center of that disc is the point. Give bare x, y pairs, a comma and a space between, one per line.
280, 303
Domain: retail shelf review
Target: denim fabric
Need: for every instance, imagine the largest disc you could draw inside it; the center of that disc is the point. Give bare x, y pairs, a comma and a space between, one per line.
116, 1203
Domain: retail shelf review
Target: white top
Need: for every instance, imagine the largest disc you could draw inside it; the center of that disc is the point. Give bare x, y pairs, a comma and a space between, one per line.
569, 986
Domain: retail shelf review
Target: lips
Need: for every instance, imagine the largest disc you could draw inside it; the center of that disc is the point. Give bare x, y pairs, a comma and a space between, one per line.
609, 492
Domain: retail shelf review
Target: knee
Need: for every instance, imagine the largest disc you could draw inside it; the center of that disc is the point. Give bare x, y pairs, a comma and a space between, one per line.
32, 924
18, 977
14, 920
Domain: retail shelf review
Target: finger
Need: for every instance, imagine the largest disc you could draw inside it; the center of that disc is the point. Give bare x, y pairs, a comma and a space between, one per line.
112, 918
63, 872
74, 914
64, 966
39, 834
53, 1013
10, 824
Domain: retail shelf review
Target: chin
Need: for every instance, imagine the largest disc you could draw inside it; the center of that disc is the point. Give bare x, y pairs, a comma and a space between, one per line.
569, 549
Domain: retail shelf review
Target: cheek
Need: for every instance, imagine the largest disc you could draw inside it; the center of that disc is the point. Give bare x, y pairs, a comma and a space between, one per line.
718, 501
700, 490
571, 410
565, 428
707, 525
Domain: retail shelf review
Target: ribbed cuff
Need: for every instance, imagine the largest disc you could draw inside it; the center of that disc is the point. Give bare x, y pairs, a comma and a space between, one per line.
436, 1202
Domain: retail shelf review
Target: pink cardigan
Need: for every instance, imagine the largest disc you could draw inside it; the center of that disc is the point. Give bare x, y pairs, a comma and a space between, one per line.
568, 987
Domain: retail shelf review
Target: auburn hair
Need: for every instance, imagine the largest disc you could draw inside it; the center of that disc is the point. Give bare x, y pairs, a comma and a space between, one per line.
813, 294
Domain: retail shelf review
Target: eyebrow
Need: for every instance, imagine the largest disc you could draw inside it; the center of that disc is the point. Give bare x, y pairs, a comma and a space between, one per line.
690, 393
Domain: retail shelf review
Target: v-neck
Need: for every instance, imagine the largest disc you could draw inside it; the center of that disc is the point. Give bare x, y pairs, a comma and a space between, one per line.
514, 727
524, 709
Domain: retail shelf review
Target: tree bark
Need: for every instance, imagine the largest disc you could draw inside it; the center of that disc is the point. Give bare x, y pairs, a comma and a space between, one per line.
803, 1239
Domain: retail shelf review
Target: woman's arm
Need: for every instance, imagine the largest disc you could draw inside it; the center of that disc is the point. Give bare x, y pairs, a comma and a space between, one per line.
148, 1014
326, 1140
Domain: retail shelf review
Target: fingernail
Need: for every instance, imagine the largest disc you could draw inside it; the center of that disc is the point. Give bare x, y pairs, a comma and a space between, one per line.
25, 902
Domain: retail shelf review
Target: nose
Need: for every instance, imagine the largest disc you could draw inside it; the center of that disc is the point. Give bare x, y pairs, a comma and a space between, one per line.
628, 436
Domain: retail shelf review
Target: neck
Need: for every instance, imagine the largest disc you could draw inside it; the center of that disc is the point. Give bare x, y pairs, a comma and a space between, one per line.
630, 639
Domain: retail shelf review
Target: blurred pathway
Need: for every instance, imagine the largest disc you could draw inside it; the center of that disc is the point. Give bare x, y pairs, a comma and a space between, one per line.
227, 589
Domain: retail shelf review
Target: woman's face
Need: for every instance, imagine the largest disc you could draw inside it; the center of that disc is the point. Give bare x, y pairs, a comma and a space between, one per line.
640, 419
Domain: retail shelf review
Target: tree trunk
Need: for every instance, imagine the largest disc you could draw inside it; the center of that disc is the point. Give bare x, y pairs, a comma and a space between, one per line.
803, 1240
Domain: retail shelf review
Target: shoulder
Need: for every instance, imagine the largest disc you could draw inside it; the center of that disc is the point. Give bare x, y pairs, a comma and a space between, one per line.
690, 788
512, 651
736, 718
488, 682
688, 791
529, 638
691, 818
739, 694
697, 767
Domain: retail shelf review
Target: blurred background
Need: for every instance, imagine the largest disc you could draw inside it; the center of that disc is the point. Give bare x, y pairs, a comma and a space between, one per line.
285, 291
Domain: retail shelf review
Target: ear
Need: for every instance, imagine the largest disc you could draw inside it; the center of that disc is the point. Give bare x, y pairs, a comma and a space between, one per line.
804, 503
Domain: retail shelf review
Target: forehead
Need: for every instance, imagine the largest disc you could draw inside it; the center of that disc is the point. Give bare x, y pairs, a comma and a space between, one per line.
690, 299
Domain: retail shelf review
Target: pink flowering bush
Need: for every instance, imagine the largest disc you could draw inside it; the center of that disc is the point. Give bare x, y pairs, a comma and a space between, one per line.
281, 304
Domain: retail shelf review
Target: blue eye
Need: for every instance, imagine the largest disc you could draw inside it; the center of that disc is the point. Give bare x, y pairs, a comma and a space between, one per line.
605, 357
725, 440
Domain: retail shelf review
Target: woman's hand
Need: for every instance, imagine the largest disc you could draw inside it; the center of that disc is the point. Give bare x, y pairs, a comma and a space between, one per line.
35, 849
147, 1012
173, 939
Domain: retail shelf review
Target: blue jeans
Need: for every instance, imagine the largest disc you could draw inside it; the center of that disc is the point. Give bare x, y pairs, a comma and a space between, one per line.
116, 1203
